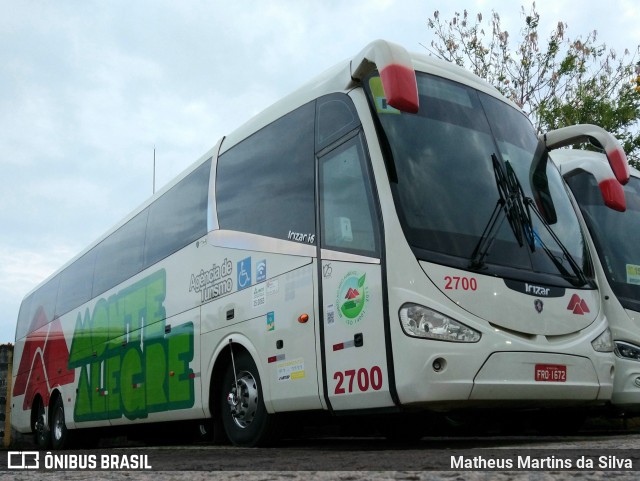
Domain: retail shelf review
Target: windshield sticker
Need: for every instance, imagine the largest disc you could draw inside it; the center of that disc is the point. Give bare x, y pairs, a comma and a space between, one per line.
353, 295
244, 273
375, 84
214, 282
633, 274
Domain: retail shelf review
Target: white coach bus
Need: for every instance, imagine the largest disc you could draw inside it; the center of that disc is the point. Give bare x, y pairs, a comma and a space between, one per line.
613, 223
389, 238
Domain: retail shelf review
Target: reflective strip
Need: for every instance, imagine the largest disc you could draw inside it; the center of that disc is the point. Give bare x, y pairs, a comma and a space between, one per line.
343, 345
279, 357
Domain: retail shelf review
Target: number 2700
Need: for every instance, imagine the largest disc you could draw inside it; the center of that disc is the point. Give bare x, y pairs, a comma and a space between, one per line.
457, 282
363, 378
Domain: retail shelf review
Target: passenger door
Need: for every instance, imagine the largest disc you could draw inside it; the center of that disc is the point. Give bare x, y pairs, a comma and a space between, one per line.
355, 351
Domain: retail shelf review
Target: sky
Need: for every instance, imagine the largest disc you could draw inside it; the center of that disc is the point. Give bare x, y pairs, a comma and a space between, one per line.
89, 88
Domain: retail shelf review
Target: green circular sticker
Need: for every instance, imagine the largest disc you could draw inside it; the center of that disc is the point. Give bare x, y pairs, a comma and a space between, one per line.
353, 295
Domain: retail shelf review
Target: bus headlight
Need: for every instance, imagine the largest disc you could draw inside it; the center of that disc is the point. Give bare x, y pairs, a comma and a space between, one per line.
419, 321
627, 351
603, 342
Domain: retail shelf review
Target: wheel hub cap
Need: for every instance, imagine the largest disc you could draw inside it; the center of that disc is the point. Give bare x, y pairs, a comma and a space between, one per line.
243, 399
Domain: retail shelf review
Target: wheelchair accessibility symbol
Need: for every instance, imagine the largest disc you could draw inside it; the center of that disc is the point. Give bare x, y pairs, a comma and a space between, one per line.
244, 273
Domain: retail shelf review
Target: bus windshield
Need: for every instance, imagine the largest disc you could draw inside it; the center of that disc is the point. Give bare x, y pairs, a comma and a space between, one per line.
615, 235
442, 166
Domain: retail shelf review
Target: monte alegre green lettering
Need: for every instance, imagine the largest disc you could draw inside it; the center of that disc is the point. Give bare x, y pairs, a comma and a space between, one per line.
129, 366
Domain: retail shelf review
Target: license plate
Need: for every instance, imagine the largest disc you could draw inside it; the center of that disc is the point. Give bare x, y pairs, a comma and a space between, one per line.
551, 373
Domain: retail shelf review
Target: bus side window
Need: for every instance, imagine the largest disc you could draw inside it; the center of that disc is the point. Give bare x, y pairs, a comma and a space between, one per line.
347, 212
76, 284
119, 256
43, 304
178, 217
265, 185
336, 116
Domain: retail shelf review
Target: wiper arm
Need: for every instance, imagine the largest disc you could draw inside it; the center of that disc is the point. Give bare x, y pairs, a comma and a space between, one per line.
511, 203
517, 206
579, 274
488, 236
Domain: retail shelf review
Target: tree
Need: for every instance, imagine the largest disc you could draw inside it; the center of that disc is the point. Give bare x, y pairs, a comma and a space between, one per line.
557, 82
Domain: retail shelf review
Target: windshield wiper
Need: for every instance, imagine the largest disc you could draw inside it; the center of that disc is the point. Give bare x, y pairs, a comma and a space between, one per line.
512, 204
515, 206
577, 270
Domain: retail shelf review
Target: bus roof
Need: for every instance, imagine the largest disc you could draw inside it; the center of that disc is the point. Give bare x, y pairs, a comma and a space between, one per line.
335, 79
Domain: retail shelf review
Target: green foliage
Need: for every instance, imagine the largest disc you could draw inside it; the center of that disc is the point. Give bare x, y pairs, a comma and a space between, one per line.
557, 81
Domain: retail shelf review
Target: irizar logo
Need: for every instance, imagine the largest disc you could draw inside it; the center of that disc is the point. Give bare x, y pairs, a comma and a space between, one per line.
577, 305
536, 290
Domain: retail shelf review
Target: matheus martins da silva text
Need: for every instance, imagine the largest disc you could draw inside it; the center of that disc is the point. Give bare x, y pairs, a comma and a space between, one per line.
608, 462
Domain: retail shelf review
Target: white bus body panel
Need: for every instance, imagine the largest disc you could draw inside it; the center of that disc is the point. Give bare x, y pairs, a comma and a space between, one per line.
357, 371
499, 368
266, 313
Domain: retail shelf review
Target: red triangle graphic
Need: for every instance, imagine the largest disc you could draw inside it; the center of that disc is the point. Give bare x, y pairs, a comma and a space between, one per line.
583, 306
575, 300
352, 293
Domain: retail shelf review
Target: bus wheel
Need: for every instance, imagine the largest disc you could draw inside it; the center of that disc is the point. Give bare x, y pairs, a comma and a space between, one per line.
41, 428
59, 433
244, 416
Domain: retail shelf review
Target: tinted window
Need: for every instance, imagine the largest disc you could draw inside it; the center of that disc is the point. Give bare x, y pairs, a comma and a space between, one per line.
614, 233
43, 303
265, 184
38, 309
119, 256
24, 319
336, 117
445, 159
76, 283
347, 209
178, 217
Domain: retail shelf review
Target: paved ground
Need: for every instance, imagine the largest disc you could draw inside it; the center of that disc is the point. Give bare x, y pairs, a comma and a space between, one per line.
372, 458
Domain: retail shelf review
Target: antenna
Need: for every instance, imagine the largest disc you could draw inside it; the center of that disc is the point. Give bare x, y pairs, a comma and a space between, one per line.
154, 169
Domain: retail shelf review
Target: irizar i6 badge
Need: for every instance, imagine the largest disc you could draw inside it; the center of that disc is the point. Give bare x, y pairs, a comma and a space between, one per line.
353, 295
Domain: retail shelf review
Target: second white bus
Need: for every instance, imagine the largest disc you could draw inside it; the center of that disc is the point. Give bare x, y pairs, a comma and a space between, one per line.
614, 230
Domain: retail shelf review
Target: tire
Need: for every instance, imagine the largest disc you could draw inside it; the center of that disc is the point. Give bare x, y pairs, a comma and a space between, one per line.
58, 427
41, 432
244, 416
